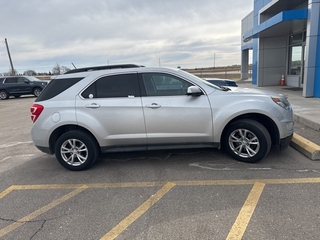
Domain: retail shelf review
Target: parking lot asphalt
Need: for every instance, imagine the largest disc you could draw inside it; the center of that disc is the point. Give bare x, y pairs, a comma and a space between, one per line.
200, 194
306, 116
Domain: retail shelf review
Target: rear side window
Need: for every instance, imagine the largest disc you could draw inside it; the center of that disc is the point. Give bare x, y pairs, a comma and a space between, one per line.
55, 87
11, 80
124, 85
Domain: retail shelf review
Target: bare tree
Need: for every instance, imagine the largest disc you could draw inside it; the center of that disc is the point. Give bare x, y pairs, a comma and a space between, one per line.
30, 73
64, 69
57, 69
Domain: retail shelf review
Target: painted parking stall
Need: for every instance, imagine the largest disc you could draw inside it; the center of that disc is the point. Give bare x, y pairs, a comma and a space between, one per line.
238, 224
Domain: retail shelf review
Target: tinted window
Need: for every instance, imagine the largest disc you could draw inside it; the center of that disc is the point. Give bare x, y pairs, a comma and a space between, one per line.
159, 84
55, 87
22, 80
11, 80
125, 85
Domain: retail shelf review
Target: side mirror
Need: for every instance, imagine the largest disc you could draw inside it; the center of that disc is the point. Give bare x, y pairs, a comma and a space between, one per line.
194, 91
26, 81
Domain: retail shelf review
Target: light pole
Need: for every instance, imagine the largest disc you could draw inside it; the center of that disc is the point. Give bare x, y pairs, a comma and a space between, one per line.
12, 69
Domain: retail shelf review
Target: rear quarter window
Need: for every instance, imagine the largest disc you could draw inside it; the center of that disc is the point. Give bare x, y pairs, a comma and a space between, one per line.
55, 87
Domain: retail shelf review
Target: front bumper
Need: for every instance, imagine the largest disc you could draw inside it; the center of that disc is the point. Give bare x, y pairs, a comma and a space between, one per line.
45, 149
284, 143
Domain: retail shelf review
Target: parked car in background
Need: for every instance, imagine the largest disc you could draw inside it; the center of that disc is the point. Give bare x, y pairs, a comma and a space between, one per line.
92, 110
20, 85
222, 82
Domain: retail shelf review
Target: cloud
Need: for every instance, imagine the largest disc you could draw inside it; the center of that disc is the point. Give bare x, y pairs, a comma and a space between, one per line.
185, 33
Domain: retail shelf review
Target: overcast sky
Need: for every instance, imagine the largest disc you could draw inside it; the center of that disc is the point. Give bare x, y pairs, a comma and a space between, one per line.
186, 33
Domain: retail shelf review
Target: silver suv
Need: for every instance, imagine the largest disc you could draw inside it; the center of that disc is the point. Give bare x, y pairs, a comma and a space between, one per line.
130, 107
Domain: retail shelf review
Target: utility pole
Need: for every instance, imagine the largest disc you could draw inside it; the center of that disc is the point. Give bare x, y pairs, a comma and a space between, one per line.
12, 69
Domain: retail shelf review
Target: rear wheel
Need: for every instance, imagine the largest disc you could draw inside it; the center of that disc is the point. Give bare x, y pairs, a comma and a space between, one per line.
37, 91
4, 94
247, 141
76, 150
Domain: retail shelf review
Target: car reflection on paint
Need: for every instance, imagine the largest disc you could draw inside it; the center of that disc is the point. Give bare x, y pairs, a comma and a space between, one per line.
222, 82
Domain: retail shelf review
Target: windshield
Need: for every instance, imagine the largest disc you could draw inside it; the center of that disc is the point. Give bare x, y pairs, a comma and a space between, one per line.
202, 80
32, 79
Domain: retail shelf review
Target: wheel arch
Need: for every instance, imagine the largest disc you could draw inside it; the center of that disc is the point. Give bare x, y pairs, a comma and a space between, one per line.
66, 128
266, 121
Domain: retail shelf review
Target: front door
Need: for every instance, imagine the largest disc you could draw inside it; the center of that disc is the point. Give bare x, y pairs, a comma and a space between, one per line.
172, 117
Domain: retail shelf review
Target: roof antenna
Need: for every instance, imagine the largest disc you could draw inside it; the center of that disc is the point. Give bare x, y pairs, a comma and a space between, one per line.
73, 65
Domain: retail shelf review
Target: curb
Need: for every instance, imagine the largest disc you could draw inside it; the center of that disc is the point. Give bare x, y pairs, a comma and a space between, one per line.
306, 147
306, 121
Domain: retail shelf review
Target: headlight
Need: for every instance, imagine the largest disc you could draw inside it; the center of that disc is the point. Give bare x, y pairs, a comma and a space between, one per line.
282, 102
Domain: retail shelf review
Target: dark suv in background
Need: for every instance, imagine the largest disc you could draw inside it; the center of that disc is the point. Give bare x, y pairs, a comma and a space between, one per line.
20, 85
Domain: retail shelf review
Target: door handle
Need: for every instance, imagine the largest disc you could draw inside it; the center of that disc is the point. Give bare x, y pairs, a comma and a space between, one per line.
153, 105
93, 105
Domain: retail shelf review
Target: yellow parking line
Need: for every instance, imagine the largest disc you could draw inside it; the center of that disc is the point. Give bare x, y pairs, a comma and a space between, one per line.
138, 212
246, 212
40, 211
7, 191
155, 184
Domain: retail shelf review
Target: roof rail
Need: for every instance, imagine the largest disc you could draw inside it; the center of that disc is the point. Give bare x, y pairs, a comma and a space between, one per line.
88, 69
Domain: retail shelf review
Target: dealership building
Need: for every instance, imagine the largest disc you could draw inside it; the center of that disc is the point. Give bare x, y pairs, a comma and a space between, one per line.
283, 36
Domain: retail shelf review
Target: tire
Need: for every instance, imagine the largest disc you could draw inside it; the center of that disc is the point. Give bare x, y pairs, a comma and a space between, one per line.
76, 150
247, 140
4, 94
37, 91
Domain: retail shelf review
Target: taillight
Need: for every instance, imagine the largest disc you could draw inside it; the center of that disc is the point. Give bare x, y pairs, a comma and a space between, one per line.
36, 110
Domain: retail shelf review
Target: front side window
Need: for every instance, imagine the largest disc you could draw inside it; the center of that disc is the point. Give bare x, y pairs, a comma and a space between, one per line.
160, 84
22, 80
124, 85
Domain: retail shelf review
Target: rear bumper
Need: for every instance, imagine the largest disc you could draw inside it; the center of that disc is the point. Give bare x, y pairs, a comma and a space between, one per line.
284, 143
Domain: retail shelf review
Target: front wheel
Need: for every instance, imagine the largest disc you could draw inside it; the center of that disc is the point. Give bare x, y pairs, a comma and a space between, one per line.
37, 91
76, 150
247, 140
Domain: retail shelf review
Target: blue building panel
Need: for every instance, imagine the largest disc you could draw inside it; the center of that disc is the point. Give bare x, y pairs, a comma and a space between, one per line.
316, 91
305, 19
280, 17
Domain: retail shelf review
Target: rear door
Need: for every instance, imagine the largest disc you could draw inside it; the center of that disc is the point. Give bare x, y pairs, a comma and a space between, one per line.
172, 117
111, 108
11, 85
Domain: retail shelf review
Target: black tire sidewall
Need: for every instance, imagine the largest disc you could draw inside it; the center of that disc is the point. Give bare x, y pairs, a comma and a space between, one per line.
7, 94
261, 133
34, 91
88, 140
